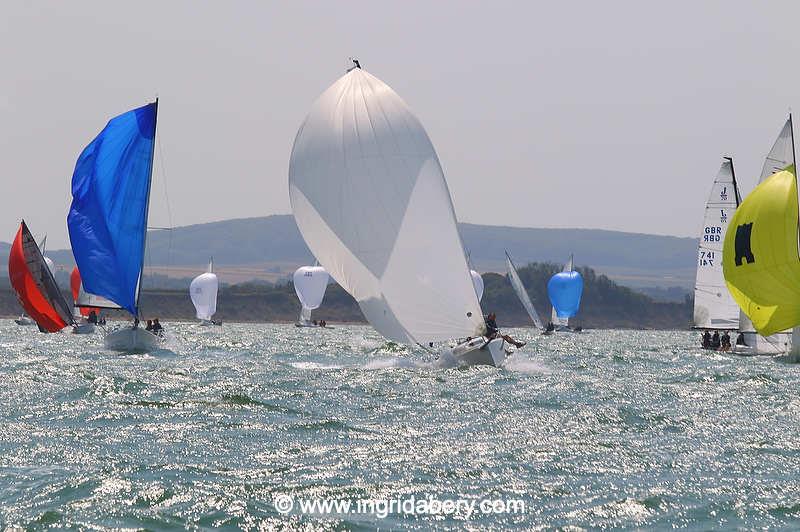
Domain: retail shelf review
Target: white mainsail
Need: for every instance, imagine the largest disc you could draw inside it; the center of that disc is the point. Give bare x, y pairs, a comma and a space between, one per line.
554, 319
203, 291
477, 282
370, 199
782, 153
714, 306
310, 283
522, 294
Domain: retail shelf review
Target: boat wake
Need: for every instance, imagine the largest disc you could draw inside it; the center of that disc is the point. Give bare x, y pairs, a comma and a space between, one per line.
526, 365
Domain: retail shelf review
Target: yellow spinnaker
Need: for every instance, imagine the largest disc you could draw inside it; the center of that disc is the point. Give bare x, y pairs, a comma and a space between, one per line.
759, 256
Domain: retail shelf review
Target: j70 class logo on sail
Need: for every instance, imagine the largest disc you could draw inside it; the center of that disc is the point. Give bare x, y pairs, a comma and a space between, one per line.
723, 194
723, 216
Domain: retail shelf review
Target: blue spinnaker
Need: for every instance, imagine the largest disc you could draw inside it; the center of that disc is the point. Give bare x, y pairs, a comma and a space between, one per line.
108, 217
564, 290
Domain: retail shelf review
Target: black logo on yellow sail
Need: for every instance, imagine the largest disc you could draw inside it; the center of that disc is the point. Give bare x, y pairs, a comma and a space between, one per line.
743, 251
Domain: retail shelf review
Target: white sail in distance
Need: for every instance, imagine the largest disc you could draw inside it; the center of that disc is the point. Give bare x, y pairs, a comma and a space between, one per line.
203, 292
370, 199
522, 294
310, 283
714, 306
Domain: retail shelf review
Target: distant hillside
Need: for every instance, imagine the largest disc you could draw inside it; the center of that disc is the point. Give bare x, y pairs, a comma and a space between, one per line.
273, 244
605, 304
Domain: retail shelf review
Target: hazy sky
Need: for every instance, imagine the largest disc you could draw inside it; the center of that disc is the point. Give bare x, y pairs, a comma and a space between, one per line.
554, 114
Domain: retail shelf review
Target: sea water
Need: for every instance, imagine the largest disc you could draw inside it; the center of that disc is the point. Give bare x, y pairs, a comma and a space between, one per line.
239, 426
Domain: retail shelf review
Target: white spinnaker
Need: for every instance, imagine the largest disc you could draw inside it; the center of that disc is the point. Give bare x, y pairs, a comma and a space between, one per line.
370, 199
714, 306
522, 294
477, 282
310, 283
554, 319
203, 291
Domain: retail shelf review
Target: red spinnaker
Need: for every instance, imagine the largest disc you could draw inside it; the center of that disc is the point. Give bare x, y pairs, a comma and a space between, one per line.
32, 280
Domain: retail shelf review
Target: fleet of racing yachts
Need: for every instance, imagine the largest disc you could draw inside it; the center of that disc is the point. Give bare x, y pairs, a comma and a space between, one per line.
371, 201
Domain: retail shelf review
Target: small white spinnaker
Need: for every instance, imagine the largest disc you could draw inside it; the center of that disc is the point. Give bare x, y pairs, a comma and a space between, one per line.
203, 291
310, 283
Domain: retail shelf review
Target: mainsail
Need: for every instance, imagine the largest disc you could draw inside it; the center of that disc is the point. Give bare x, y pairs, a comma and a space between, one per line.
310, 283
714, 306
34, 284
760, 252
108, 217
522, 294
203, 292
370, 199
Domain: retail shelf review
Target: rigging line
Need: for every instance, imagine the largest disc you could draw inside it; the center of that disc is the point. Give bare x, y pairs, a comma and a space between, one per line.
166, 196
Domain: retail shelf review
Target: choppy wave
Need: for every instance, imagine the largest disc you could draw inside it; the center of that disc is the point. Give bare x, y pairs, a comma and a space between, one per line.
599, 430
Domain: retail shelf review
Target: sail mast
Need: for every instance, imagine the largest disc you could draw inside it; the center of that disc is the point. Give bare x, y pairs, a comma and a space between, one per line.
147, 206
736, 193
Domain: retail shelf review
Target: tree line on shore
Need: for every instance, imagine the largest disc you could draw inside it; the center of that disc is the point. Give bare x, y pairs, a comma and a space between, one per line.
604, 304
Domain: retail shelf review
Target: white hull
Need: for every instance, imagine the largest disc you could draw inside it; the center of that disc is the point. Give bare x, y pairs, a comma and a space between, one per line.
132, 340
209, 323
477, 352
777, 344
83, 328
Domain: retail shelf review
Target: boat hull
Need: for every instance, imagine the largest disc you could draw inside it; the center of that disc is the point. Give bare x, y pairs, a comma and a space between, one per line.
132, 340
24, 322
83, 328
478, 352
776, 344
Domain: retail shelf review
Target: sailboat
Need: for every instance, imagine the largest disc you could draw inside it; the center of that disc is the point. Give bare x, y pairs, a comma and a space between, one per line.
564, 290
522, 294
107, 220
760, 256
477, 282
714, 306
310, 283
371, 201
36, 288
203, 292
23, 319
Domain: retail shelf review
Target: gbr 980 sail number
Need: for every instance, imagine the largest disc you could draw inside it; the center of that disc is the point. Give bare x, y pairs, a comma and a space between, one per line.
712, 234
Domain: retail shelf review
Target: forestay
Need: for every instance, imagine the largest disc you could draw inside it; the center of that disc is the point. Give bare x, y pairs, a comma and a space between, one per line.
370, 199
522, 294
714, 306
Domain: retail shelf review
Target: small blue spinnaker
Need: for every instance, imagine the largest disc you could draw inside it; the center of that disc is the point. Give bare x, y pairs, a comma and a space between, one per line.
564, 290
110, 195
